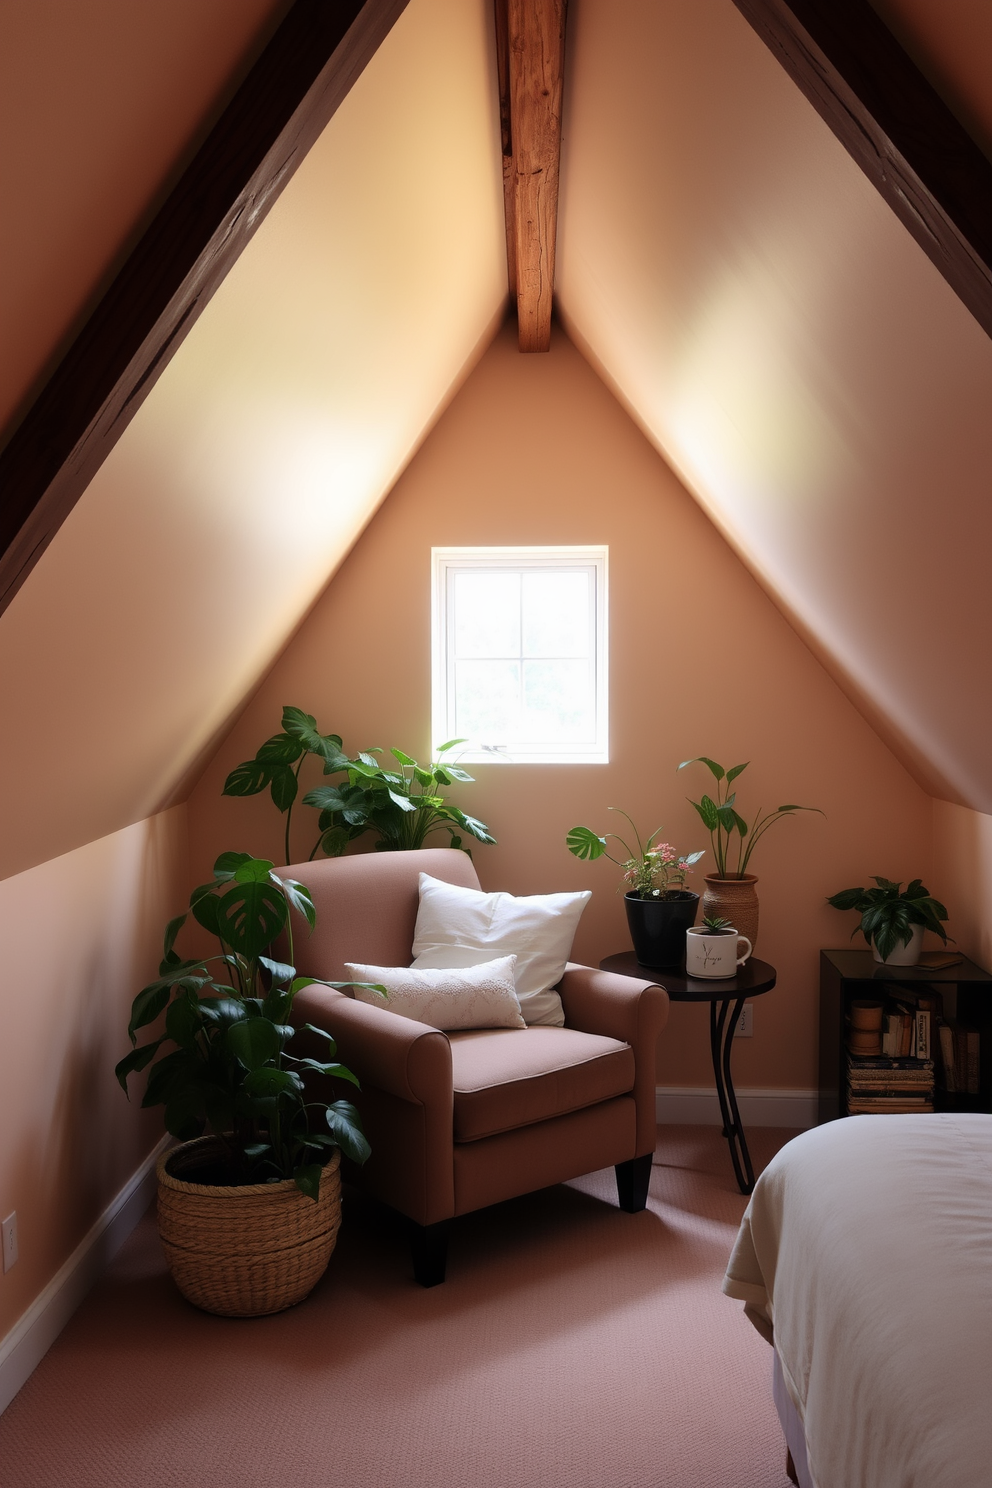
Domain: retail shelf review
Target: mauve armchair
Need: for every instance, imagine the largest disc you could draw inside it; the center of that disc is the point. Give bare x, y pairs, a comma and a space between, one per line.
458, 1121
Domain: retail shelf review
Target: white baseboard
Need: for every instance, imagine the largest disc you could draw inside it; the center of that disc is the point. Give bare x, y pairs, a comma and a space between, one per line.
36, 1330
697, 1105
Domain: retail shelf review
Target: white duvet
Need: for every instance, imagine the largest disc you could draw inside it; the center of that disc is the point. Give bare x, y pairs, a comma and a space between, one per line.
867, 1247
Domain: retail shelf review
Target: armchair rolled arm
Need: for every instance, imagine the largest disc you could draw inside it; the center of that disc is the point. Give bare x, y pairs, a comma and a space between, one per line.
409, 1060
406, 1100
625, 1008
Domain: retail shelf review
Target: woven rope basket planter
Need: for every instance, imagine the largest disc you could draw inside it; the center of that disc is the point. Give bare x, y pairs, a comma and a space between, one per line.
244, 1252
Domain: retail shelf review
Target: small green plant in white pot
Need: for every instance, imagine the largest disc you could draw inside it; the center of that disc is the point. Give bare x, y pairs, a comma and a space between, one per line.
893, 919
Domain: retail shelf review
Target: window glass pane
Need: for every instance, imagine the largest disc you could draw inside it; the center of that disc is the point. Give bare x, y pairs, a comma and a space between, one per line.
487, 613
487, 701
557, 613
558, 701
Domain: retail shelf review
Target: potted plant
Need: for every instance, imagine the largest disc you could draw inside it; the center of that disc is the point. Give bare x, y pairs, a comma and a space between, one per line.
731, 891
249, 1212
659, 906
893, 919
401, 806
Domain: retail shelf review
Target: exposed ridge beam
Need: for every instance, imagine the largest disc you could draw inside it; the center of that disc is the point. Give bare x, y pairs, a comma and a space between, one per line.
897, 128
306, 70
535, 52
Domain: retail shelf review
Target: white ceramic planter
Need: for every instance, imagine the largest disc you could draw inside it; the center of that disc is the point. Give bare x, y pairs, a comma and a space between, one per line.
903, 955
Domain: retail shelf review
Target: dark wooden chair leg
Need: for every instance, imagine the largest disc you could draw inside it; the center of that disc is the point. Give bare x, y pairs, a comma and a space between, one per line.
633, 1181
429, 1248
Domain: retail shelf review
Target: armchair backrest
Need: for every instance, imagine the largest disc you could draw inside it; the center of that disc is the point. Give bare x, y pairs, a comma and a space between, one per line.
367, 906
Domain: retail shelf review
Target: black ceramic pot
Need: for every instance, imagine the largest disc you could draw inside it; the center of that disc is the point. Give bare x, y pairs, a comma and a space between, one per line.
658, 926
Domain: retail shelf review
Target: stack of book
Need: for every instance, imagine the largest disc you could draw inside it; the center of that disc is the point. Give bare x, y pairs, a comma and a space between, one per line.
892, 1085
889, 1063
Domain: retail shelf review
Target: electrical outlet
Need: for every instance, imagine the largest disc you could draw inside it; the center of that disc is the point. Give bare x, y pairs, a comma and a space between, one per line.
744, 1027
9, 1226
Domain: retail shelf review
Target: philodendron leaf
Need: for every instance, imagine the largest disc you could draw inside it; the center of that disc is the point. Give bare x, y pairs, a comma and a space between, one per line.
404, 759
254, 1042
228, 864
266, 1083
172, 929
733, 774
443, 748
298, 896
250, 915
279, 971
307, 1180
283, 787
281, 749
247, 779
136, 1060
584, 843
345, 1126
146, 1007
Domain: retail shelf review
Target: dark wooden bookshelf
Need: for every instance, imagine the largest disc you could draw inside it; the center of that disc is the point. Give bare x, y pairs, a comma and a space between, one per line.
966, 993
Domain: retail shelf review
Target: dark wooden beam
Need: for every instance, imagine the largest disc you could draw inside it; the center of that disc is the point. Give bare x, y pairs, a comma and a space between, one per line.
897, 128
284, 103
536, 51
506, 140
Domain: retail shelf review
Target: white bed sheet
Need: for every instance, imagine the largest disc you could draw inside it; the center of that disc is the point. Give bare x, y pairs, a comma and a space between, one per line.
866, 1251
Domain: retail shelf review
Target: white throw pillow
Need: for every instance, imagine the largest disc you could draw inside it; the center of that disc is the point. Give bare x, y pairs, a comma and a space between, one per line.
480, 996
461, 927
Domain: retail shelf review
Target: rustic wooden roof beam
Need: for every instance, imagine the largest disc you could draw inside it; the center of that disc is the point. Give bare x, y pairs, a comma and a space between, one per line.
533, 42
897, 128
306, 70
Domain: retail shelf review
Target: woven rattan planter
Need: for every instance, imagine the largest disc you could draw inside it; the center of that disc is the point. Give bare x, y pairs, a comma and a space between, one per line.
243, 1252
736, 900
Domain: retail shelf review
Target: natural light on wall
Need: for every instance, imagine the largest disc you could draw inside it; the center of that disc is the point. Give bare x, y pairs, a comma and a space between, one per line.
519, 653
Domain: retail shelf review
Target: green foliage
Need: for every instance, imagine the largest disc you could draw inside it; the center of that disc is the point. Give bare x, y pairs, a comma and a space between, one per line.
715, 923
888, 915
402, 806
655, 871
724, 822
229, 1069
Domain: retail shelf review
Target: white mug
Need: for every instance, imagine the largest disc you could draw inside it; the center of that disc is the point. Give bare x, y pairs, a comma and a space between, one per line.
714, 953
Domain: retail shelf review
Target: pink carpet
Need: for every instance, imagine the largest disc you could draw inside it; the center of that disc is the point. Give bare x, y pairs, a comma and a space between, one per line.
572, 1345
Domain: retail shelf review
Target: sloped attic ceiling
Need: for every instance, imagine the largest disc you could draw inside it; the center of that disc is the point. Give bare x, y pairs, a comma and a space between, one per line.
794, 354
274, 432
776, 332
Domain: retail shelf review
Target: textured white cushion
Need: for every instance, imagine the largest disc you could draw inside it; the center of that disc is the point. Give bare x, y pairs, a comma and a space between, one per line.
461, 927
479, 996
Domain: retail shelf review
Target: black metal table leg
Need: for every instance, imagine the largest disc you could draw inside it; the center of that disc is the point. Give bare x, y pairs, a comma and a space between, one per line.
722, 1025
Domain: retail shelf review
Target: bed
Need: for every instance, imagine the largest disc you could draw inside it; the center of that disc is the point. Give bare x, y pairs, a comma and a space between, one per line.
865, 1258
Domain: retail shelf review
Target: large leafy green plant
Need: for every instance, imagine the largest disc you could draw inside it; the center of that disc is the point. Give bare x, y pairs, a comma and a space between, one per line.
402, 806
724, 822
655, 871
228, 1068
277, 764
888, 913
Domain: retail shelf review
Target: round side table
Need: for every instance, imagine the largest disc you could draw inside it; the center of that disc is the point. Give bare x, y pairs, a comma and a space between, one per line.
726, 997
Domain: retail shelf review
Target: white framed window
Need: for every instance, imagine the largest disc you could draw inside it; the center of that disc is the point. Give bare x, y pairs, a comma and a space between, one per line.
519, 653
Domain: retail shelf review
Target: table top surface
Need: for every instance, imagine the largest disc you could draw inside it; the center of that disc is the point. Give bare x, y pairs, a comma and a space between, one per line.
753, 978
858, 965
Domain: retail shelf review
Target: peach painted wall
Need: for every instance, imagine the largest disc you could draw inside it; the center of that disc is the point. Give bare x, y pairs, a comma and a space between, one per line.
962, 849
81, 934
534, 449
100, 105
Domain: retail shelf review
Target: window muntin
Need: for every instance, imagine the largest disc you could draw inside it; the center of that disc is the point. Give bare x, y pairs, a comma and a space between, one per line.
520, 653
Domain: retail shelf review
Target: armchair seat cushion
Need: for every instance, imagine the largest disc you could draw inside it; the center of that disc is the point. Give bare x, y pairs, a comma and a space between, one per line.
507, 1078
